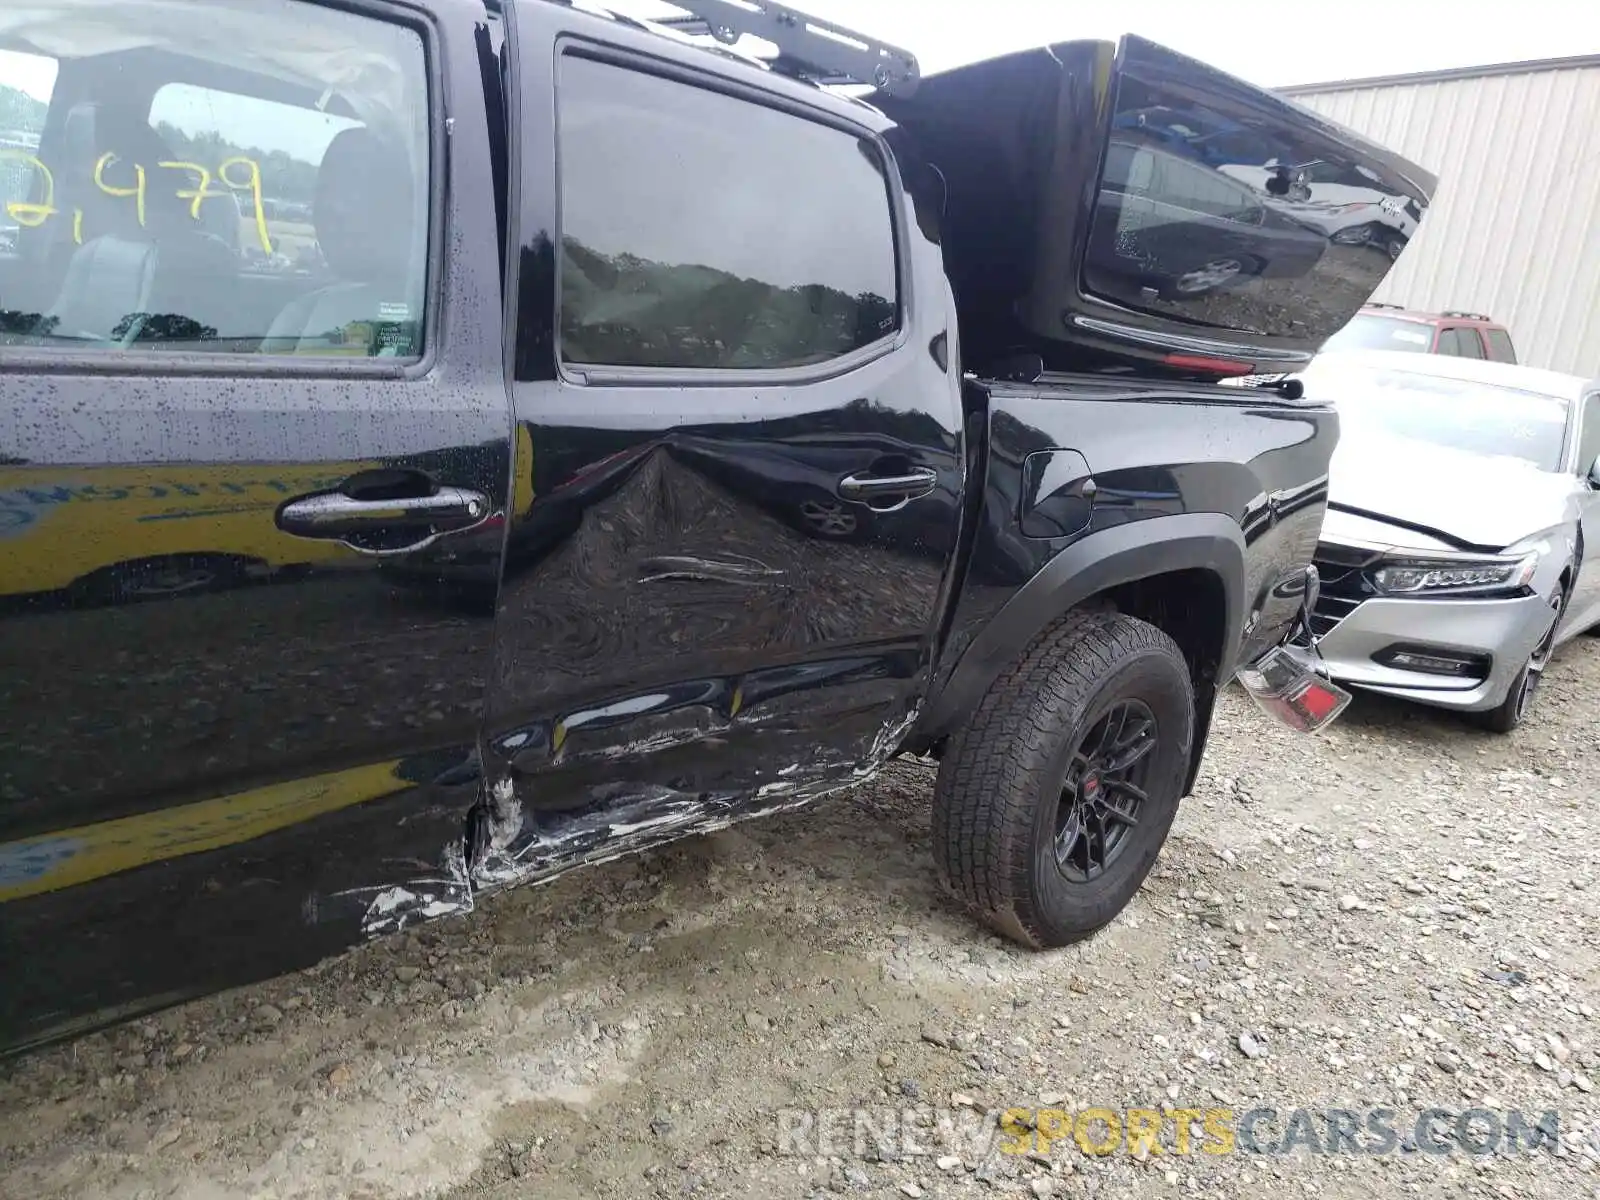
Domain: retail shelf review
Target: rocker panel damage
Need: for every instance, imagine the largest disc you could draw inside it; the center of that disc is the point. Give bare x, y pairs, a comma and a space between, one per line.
506, 844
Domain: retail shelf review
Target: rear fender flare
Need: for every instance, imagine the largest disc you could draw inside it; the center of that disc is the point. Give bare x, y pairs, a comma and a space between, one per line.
1112, 557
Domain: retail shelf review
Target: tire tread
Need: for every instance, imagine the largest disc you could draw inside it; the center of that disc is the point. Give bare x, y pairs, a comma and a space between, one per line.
989, 779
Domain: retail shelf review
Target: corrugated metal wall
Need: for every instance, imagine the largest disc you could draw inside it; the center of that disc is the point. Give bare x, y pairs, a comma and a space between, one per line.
1515, 228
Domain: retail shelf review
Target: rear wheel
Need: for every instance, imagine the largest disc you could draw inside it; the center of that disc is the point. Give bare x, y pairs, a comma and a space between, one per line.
1054, 801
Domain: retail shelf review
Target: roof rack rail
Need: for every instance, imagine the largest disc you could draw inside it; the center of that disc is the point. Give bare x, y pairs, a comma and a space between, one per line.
1466, 316
808, 48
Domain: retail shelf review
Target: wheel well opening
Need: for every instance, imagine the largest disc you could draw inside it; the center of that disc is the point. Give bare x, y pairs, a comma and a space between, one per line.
1189, 606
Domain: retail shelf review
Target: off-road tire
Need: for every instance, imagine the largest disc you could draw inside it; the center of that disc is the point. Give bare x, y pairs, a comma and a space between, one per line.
1001, 777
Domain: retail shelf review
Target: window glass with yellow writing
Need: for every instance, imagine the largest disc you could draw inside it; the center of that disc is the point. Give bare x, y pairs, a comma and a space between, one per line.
214, 176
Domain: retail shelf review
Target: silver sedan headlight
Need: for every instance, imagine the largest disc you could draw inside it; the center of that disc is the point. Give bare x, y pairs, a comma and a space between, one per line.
1498, 574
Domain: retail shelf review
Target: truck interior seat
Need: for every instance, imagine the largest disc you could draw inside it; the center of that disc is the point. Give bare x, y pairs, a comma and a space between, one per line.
168, 266
363, 213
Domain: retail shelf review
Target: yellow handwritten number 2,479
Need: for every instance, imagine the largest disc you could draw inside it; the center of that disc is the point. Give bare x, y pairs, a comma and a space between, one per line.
236, 175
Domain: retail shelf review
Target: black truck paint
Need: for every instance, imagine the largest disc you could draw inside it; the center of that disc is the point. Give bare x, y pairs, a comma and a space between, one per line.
216, 767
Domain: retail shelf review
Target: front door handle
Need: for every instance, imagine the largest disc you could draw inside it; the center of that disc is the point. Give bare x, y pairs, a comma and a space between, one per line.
907, 485
341, 517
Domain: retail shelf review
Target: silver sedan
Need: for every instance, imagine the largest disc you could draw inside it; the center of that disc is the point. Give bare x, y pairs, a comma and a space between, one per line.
1462, 540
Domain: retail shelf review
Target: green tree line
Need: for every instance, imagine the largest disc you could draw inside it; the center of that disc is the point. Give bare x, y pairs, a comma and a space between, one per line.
621, 309
18, 110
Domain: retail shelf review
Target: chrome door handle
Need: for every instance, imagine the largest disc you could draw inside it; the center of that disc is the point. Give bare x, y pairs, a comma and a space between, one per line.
337, 516
908, 486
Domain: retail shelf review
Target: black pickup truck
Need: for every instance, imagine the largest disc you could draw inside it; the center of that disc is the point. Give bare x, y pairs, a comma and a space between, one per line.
443, 442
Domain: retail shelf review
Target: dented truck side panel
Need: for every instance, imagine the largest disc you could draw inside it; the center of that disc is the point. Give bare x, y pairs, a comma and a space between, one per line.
698, 595
693, 623
1156, 499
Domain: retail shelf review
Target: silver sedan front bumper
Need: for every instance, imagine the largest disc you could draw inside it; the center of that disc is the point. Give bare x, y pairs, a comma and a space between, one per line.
1502, 633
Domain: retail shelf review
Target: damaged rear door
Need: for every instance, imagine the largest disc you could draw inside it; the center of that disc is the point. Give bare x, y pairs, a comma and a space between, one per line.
747, 474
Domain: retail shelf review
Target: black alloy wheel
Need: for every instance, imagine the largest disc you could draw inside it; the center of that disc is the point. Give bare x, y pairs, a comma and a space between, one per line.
1104, 790
1055, 798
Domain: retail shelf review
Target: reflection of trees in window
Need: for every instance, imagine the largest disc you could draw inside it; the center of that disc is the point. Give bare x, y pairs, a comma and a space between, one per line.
145, 327
622, 310
162, 327
30, 324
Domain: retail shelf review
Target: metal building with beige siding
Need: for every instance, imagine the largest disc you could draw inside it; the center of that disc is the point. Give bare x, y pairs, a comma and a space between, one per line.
1514, 231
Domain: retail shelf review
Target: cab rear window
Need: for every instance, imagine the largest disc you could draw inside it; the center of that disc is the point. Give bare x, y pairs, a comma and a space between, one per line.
694, 276
244, 176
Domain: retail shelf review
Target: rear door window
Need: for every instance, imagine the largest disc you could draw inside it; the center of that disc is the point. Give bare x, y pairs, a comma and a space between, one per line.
1459, 342
217, 176
1500, 347
738, 260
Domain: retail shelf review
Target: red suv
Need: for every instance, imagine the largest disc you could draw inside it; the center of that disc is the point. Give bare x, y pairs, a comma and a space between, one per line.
1390, 327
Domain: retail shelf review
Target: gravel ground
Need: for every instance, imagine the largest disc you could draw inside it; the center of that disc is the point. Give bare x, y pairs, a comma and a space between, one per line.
1401, 914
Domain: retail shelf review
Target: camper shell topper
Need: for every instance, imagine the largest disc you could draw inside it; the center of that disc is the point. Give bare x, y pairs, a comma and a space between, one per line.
1126, 207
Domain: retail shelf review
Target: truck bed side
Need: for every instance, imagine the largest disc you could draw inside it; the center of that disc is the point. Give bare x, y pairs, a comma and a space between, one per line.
1193, 506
